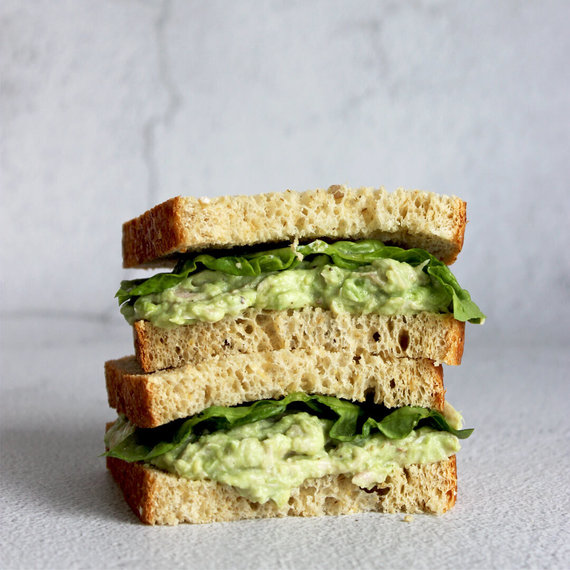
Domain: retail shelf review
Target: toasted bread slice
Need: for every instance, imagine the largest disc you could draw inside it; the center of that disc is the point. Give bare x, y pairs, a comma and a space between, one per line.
405, 218
157, 497
150, 400
425, 335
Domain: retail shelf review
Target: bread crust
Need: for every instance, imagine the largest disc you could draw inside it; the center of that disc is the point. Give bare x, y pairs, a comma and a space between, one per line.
406, 218
425, 335
158, 229
459, 225
157, 497
150, 400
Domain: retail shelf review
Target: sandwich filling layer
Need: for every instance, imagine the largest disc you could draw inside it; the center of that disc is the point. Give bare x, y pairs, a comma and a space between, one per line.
355, 277
273, 446
386, 287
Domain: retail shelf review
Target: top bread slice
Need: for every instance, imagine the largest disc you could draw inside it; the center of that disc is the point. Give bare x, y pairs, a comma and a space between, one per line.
408, 219
153, 399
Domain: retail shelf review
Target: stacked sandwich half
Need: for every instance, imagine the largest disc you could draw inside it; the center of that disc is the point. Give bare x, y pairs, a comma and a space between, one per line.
288, 362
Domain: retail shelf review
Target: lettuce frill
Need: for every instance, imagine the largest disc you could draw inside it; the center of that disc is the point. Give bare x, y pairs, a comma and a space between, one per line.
350, 422
344, 254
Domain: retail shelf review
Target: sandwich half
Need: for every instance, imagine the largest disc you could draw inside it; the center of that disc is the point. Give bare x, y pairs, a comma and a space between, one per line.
289, 363
303, 454
315, 272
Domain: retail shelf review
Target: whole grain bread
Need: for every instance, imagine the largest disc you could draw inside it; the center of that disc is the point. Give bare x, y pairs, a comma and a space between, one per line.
150, 400
157, 497
405, 218
425, 335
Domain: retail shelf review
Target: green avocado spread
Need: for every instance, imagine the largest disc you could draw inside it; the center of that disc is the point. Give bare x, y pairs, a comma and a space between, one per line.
266, 459
385, 287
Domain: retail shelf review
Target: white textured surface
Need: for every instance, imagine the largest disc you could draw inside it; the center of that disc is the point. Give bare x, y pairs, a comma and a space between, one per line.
60, 509
109, 107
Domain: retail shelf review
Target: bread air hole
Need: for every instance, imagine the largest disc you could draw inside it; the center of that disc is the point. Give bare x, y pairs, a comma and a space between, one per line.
294, 342
404, 339
330, 504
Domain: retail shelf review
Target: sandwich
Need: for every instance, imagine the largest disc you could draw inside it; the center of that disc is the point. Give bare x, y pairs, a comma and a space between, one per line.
289, 363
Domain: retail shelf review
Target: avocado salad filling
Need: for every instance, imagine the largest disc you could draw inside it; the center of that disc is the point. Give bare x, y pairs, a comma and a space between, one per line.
267, 448
355, 277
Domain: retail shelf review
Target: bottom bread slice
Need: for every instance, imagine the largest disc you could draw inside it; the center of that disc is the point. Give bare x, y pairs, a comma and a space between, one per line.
425, 335
157, 497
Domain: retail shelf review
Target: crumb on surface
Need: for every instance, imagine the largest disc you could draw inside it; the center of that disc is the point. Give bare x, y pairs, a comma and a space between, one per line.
408, 518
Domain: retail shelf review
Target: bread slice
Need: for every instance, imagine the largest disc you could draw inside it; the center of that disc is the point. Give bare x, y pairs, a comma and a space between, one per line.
425, 335
406, 218
157, 497
150, 400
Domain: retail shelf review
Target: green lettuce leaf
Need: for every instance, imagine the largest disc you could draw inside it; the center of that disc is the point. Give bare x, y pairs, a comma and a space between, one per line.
344, 254
350, 421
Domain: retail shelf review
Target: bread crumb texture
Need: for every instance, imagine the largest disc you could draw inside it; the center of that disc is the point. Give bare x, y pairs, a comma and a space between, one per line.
425, 335
157, 497
152, 399
410, 218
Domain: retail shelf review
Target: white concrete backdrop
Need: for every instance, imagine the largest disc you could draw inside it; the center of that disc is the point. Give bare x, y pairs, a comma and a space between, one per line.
108, 107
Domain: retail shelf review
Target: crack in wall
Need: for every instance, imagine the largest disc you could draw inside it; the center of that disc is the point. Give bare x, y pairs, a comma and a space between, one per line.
174, 101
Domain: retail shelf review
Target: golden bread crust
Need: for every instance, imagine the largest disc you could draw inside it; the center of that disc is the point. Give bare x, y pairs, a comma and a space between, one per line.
157, 230
459, 224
